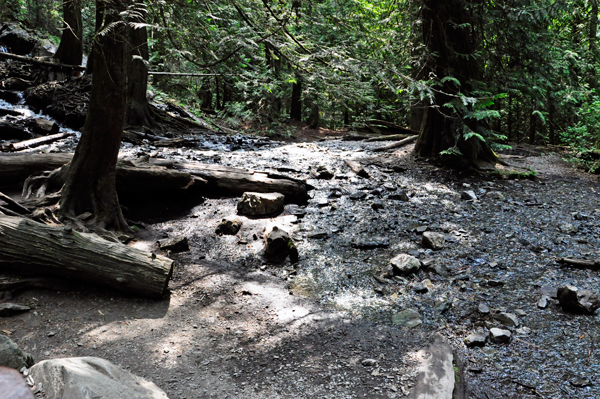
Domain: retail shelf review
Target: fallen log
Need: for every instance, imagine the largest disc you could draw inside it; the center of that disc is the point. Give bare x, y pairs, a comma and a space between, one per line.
399, 144
131, 177
22, 145
357, 168
27, 60
390, 126
237, 181
30, 247
580, 263
391, 137
13, 205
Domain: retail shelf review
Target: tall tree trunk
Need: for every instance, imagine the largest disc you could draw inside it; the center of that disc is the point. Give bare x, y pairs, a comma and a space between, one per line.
100, 11
70, 49
593, 43
90, 183
296, 103
448, 33
138, 111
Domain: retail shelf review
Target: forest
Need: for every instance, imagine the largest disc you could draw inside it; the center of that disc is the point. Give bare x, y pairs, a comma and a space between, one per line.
299, 198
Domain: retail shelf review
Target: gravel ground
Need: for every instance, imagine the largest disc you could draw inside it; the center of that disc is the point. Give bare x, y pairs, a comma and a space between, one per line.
236, 326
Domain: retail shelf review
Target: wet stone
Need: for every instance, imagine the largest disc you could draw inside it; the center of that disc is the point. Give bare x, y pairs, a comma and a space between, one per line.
508, 319
405, 264
399, 196
499, 335
229, 226
579, 301
371, 243
468, 195
476, 339
435, 241
483, 308
543, 302
408, 318
260, 204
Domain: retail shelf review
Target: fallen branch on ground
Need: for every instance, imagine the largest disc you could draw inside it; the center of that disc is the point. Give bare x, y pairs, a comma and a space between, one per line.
399, 144
581, 263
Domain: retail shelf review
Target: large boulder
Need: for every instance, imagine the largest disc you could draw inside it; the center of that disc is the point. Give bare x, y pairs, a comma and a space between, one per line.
91, 377
261, 204
12, 356
17, 40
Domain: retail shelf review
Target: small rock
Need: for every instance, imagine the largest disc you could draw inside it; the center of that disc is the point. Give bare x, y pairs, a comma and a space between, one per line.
567, 228
495, 283
51, 334
409, 318
9, 309
399, 196
483, 308
500, 336
335, 193
524, 331
371, 243
580, 382
295, 210
260, 204
369, 362
175, 244
433, 240
496, 195
468, 195
421, 229
390, 186
358, 195
543, 302
405, 264
279, 244
476, 339
322, 173
322, 202
444, 306
229, 226
43, 126
377, 205
12, 356
508, 319
318, 234
580, 301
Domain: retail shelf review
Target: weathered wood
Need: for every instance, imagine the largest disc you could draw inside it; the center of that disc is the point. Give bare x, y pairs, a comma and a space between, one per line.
9, 56
21, 145
390, 126
357, 168
31, 247
12, 204
139, 177
391, 137
237, 181
580, 263
399, 144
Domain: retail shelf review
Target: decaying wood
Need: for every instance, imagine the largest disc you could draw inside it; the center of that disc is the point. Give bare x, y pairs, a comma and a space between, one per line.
9, 212
237, 181
9, 56
392, 127
580, 263
399, 144
13, 205
131, 177
357, 168
37, 142
391, 137
30, 247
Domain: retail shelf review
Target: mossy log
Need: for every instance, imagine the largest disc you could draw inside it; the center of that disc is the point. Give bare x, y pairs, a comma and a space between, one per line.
34, 248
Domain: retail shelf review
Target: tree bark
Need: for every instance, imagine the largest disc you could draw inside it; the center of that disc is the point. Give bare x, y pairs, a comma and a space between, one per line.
296, 104
30, 247
90, 184
70, 49
138, 110
99, 23
451, 41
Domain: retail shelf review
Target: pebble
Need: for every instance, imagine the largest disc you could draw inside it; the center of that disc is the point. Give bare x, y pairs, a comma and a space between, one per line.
543, 302
476, 339
508, 319
500, 336
435, 241
404, 264
468, 195
483, 308
369, 362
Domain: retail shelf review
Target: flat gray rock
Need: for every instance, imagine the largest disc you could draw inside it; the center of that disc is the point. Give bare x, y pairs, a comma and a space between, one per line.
261, 204
405, 264
500, 336
12, 356
508, 319
436, 376
433, 240
91, 377
408, 318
